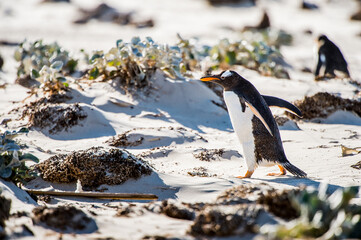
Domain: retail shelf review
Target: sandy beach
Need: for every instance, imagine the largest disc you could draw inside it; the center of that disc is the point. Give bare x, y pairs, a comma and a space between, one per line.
176, 129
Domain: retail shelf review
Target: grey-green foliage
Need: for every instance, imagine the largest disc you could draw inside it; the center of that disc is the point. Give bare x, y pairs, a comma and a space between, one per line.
47, 63
192, 53
255, 55
12, 159
325, 216
136, 62
270, 36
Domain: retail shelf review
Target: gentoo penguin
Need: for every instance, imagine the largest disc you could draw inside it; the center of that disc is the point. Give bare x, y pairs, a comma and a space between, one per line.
253, 122
331, 57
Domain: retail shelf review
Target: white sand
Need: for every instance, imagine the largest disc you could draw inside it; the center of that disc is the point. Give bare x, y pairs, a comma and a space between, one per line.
315, 148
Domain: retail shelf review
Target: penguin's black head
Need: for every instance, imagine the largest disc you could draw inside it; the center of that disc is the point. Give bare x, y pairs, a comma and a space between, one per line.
227, 79
322, 39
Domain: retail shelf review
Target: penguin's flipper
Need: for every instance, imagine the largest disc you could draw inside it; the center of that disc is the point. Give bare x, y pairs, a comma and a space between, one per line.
258, 106
256, 112
278, 102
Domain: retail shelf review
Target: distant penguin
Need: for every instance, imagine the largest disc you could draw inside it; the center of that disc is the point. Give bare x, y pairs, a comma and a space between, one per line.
253, 122
330, 56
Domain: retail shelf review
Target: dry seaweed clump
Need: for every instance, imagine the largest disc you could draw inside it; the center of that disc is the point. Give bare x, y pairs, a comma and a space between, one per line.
57, 117
93, 167
322, 104
176, 210
241, 194
5, 205
122, 140
279, 203
209, 154
51, 112
214, 221
106, 13
65, 218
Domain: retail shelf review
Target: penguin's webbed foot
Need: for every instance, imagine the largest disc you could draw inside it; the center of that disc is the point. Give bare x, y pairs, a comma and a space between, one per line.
247, 175
283, 172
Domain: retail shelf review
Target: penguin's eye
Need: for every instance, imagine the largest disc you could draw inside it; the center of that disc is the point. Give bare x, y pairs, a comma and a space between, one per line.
226, 74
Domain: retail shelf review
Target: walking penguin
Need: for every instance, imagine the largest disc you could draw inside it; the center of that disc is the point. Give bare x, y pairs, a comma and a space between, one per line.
253, 122
330, 56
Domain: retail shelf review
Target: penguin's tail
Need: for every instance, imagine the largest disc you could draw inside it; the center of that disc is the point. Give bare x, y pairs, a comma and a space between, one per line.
293, 169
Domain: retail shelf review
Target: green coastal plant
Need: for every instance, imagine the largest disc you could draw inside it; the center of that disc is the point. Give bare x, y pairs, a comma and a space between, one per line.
270, 36
322, 216
192, 53
49, 64
12, 159
255, 55
135, 63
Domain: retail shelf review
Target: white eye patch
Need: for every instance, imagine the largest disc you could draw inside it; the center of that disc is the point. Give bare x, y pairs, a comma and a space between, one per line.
226, 74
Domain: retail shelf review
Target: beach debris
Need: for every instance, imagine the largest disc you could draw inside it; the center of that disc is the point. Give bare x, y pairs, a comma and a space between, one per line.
157, 237
224, 221
123, 141
27, 82
120, 103
105, 13
322, 216
357, 165
1, 62
323, 104
285, 121
222, 2
200, 172
61, 218
93, 167
306, 70
241, 194
280, 203
5, 205
263, 32
48, 64
52, 113
134, 64
129, 210
308, 5
175, 209
5, 121
43, 198
12, 158
346, 151
156, 152
209, 154
154, 137
357, 15
99, 195
55, 1
263, 24
8, 43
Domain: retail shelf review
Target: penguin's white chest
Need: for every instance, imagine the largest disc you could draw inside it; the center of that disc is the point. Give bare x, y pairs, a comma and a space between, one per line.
241, 121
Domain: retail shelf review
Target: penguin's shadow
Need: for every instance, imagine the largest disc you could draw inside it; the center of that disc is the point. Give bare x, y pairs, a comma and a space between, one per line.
296, 182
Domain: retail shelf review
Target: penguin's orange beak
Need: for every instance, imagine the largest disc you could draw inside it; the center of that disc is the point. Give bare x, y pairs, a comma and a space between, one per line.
209, 78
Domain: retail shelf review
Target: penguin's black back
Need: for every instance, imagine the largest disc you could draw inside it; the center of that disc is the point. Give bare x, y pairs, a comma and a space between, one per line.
334, 55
